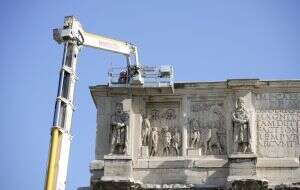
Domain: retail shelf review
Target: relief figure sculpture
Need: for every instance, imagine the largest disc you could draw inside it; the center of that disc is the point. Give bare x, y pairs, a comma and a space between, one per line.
195, 137
176, 140
205, 138
241, 129
214, 144
161, 129
146, 132
199, 136
167, 141
118, 132
154, 142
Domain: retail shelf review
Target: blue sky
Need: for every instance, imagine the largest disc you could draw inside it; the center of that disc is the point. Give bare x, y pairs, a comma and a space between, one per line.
204, 40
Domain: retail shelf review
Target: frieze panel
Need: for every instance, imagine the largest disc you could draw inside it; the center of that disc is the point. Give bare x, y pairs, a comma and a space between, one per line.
206, 130
161, 131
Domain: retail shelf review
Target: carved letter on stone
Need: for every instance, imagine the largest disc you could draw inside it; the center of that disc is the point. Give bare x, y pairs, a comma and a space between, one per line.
118, 133
241, 129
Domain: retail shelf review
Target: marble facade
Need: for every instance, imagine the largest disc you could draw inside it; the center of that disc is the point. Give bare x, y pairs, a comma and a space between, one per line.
219, 135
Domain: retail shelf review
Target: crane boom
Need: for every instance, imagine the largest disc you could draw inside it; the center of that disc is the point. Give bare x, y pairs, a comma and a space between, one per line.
100, 42
74, 37
73, 30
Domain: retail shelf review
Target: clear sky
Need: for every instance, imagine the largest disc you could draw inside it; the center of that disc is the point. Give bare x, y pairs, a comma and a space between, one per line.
204, 40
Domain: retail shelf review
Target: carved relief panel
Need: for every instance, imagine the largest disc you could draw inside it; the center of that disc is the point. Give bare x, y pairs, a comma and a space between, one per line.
161, 130
206, 127
278, 124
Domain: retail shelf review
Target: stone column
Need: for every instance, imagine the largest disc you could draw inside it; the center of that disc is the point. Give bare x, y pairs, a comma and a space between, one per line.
184, 121
137, 113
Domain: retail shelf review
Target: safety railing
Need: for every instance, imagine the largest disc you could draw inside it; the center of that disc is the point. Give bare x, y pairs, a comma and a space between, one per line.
153, 76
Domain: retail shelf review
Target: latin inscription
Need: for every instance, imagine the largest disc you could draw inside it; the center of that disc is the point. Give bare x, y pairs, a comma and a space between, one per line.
278, 124
278, 101
278, 128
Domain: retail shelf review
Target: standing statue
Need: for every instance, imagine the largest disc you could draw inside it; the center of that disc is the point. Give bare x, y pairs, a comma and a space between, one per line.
195, 136
154, 142
118, 133
241, 129
167, 141
146, 130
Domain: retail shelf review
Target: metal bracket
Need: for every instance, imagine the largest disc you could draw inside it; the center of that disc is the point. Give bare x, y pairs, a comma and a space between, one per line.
72, 31
69, 70
63, 131
66, 101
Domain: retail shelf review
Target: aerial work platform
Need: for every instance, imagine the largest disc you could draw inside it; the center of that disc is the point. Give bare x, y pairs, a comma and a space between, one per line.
153, 77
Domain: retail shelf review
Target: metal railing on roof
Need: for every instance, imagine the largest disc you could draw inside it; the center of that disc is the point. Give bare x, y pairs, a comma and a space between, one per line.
153, 76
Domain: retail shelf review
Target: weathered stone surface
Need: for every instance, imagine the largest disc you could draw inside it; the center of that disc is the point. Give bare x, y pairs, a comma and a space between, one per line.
242, 166
236, 134
144, 151
196, 152
117, 166
114, 184
246, 183
97, 165
278, 163
295, 186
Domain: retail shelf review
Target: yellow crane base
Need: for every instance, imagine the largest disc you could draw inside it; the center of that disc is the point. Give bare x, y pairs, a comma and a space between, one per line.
56, 135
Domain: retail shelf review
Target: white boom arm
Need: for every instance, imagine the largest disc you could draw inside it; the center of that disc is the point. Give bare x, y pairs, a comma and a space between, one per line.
74, 37
100, 42
109, 44
72, 30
